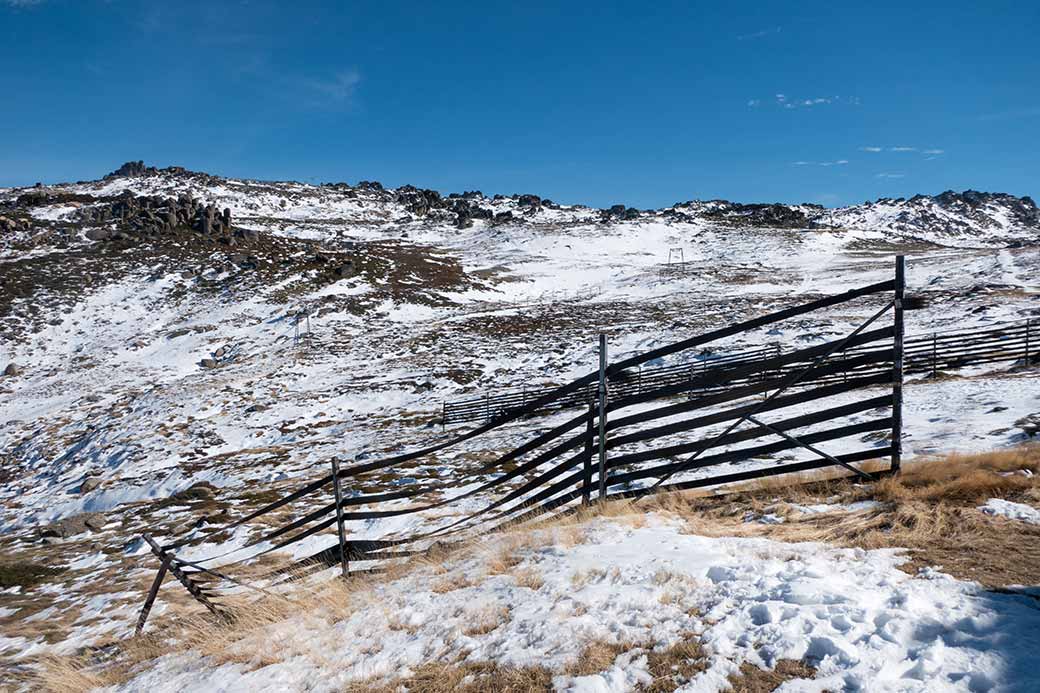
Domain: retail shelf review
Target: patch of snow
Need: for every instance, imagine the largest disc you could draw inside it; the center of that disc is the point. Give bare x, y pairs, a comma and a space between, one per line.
1011, 510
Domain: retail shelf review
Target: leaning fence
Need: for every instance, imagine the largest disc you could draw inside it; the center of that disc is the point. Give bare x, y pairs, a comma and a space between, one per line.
629, 439
928, 353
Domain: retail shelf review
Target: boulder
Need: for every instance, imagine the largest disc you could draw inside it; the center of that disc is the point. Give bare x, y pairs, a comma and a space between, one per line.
1030, 424
89, 484
208, 363
202, 490
71, 526
13, 369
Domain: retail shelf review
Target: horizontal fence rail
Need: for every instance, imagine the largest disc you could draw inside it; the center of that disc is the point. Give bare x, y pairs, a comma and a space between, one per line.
928, 353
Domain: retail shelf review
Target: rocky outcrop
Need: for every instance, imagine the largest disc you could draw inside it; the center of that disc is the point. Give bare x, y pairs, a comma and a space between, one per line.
777, 216
132, 168
618, 213
150, 216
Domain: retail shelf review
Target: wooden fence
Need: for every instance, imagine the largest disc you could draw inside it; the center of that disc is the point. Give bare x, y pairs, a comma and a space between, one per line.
630, 439
928, 353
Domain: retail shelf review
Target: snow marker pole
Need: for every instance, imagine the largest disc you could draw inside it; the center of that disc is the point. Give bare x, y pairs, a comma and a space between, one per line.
602, 416
897, 366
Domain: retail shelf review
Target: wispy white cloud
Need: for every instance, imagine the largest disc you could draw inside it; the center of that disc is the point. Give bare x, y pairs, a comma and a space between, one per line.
337, 89
890, 175
759, 34
934, 151
871, 149
22, 3
786, 102
839, 162
902, 149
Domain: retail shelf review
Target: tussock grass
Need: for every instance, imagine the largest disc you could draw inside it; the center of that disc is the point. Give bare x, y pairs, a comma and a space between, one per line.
751, 679
466, 677
931, 509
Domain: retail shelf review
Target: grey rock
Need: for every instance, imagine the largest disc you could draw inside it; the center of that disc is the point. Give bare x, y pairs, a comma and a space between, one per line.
208, 363
89, 484
13, 369
71, 526
1030, 424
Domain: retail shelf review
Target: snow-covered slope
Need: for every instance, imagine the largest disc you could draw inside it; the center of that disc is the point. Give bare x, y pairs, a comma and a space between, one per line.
158, 342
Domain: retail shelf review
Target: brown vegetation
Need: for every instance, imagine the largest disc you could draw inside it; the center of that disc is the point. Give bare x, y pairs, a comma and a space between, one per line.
931, 509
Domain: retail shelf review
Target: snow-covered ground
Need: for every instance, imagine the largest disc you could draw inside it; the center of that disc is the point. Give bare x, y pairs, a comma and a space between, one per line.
113, 391
852, 614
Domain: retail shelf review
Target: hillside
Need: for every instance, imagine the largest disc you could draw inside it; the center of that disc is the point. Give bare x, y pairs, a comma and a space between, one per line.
181, 347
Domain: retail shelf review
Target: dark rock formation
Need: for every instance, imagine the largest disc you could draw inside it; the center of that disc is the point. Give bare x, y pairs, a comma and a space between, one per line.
152, 215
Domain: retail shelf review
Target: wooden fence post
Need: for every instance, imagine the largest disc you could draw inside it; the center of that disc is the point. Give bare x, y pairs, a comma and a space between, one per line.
152, 594
602, 416
897, 366
590, 433
1029, 322
344, 565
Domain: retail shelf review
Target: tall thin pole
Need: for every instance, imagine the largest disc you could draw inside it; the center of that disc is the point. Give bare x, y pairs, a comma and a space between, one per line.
897, 366
602, 416
1028, 323
344, 565
590, 432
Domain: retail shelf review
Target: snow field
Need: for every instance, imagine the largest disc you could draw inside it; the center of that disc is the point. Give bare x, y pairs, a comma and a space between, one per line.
863, 623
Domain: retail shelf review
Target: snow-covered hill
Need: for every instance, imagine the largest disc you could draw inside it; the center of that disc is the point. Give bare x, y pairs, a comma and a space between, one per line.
164, 328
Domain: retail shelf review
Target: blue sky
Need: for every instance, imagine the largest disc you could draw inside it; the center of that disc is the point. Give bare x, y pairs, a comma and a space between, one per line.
641, 103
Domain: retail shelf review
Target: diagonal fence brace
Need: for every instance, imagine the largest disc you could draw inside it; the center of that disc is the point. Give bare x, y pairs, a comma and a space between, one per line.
170, 563
811, 448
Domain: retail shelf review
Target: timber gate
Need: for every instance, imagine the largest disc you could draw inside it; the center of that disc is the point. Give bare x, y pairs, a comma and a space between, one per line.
674, 435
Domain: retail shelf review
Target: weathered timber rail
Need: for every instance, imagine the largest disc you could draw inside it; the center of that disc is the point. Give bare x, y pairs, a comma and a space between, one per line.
928, 353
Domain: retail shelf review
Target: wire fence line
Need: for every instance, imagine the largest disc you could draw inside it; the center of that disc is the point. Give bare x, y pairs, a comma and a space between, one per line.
924, 353
636, 437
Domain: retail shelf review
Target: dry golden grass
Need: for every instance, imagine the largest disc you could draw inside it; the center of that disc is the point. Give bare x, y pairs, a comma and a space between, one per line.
528, 577
502, 561
751, 679
669, 667
466, 677
451, 582
68, 675
583, 577
930, 509
483, 621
